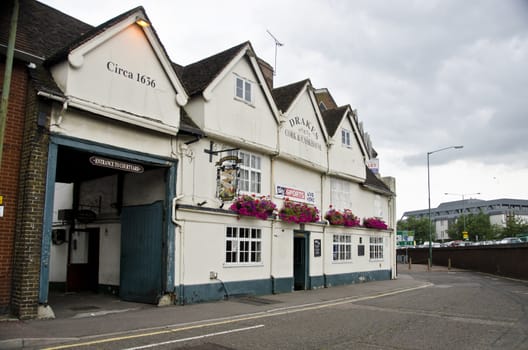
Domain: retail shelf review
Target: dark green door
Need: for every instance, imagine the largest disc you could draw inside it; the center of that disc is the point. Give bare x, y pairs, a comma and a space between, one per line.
300, 261
141, 253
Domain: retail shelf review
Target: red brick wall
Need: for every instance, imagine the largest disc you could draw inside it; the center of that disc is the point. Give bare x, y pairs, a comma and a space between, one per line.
9, 176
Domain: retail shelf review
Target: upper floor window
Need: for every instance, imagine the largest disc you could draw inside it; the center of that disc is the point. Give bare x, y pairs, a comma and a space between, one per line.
345, 138
322, 106
250, 178
341, 195
243, 89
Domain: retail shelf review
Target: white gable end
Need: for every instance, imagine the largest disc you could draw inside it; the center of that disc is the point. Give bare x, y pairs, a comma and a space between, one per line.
346, 156
248, 118
301, 135
124, 74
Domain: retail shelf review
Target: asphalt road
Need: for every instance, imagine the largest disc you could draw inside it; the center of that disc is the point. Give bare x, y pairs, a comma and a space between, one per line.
455, 310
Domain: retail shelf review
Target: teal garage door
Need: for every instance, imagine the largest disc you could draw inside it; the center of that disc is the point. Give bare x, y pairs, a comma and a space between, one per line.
141, 253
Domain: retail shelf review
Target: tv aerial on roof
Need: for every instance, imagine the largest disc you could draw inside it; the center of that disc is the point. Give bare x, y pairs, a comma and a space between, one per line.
277, 44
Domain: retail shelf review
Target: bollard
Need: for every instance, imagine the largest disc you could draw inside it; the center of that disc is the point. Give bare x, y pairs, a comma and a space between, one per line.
428, 265
410, 262
449, 264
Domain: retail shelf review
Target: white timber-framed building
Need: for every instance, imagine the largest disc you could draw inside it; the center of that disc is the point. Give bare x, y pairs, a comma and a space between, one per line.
132, 171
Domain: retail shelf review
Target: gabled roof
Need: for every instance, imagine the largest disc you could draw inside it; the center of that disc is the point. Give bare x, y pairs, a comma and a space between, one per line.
197, 76
324, 96
41, 30
285, 95
92, 33
203, 76
188, 126
332, 118
372, 182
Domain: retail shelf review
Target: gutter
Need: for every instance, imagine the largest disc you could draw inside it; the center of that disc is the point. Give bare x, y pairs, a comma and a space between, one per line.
6, 86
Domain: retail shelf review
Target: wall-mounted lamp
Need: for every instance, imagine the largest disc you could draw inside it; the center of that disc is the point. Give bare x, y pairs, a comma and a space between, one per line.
142, 22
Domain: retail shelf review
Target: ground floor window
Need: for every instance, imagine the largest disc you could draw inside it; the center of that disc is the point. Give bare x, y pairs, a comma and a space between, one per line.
376, 248
342, 248
243, 245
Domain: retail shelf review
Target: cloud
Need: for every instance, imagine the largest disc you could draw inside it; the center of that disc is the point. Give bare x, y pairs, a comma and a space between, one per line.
423, 75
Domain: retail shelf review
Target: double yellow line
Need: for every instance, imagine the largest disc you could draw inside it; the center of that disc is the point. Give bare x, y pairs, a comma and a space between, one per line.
269, 313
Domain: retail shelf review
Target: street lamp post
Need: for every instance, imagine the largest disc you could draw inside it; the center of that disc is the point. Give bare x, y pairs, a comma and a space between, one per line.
463, 203
429, 199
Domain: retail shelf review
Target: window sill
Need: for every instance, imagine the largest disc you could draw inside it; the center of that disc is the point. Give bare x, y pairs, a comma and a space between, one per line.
231, 265
340, 262
250, 104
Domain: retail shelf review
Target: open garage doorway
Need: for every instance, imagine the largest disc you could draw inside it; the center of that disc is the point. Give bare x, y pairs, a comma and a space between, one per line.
93, 234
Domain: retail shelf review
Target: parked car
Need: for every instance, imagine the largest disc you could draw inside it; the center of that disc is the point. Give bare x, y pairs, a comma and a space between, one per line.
510, 240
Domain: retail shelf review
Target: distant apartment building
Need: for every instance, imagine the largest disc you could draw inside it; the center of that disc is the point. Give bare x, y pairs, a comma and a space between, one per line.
497, 209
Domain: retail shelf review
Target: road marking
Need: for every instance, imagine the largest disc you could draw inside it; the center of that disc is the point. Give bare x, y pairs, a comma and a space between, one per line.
450, 316
247, 317
195, 338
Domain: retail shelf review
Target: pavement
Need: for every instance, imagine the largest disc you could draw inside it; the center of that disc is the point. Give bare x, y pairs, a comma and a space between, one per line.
80, 316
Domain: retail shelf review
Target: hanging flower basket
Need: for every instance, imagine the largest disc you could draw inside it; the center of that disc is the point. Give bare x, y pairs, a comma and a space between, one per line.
298, 212
350, 219
374, 223
247, 205
334, 216
346, 218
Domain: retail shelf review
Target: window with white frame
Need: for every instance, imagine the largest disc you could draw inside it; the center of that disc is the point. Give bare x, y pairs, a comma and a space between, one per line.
250, 178
340, 194
243, 89
342, 248
345, 138
243, 245
376, 248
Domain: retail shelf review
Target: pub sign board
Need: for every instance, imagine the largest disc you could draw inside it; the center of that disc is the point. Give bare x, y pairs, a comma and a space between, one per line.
227, 173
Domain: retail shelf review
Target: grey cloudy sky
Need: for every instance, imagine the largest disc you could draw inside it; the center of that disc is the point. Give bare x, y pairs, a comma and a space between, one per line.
423, 75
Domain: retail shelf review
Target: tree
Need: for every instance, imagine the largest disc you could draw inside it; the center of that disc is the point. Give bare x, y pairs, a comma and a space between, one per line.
477, 226
420, 226
515, 226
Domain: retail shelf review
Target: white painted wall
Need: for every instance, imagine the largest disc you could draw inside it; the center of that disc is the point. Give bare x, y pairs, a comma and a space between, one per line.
197, 176
358, 263
232, 118
58, 260
282, 250
296, 176
85, 126
116, 74
109, 253
203, 246
301, 135
348, 161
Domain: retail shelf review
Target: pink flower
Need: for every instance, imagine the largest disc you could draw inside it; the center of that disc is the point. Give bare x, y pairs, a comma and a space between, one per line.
246, 205
375, 223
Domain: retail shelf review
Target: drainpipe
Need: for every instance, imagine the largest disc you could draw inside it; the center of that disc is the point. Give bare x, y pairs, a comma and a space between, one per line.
7, 76
180, 226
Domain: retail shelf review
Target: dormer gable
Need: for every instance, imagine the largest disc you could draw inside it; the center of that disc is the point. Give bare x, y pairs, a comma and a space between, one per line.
303, 135
288, 96
339, 121
121, 70
202, 77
